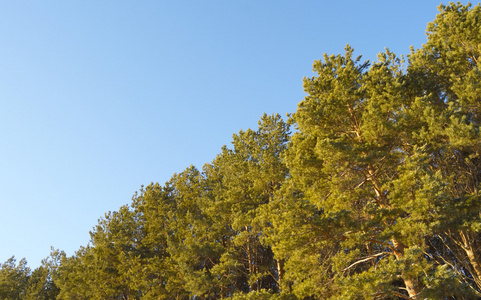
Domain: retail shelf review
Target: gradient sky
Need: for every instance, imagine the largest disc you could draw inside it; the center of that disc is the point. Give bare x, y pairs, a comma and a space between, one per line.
100, 97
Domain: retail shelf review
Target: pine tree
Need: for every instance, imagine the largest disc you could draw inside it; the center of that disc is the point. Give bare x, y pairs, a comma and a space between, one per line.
14, 279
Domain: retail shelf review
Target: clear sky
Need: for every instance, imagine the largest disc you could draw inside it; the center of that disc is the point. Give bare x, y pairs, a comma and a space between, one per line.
100, 97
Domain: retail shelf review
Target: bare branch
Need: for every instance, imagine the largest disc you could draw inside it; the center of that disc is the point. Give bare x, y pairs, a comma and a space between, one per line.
366, 259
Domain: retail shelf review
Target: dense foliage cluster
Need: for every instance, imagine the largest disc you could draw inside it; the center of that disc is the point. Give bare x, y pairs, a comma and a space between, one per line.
374, 196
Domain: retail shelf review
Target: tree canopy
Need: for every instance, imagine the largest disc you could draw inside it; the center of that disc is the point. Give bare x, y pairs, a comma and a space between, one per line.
375, 195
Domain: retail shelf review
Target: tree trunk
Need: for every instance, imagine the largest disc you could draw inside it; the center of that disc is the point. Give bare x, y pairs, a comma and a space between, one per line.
411, 287
250, 261
473, 258
409, 281
280, 272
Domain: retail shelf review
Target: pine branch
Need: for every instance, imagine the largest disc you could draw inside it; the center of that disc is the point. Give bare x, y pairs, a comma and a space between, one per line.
366, 259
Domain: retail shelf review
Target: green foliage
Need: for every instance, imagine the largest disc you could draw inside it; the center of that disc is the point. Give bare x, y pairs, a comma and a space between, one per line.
40, 284
14, 279
375, 195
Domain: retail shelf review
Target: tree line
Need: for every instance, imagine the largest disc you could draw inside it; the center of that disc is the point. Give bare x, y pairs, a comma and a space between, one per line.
375, 195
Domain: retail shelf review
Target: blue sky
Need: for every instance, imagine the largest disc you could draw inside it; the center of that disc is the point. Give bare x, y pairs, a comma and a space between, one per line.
100, 97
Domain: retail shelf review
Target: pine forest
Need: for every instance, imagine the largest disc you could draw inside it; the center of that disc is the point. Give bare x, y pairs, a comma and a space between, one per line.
370, 190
